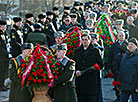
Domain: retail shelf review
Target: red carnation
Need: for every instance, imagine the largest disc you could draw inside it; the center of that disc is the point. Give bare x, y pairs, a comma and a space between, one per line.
49, 61
42, 62
34, 80
20, 76
35, 74
35, 61
57, 72
30, 78
34, 66
40, 66
22, 60
49, 80
57, 64
50, 57
56, 76
22, 65
52, 66
27, 82
29, 59
110, 75
39, 81
71, 51
41, 70
46, 67
43, 75
44, 80
96, 66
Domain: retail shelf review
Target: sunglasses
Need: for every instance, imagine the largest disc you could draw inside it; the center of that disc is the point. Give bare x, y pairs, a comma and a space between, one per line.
67, 20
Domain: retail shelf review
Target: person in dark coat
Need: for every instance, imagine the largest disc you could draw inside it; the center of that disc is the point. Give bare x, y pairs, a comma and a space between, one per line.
129, 72
16, 37
3, 55
134, 14
28, 26
88, 84
64, 89
17, 93
42, 19
37, 37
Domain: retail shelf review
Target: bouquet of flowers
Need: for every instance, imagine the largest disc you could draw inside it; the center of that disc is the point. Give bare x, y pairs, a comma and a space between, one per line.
73, 40
39, 69
123, 14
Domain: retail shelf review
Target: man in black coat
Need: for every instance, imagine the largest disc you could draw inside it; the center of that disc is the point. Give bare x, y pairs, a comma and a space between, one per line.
16, 36
87, 85
3, 55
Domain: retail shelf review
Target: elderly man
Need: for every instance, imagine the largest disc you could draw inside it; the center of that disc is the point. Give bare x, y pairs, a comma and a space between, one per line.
129, 72
16, 94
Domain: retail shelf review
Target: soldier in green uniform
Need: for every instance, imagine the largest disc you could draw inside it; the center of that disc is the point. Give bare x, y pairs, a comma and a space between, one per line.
18, 94
64, 90
58, 35
37, 37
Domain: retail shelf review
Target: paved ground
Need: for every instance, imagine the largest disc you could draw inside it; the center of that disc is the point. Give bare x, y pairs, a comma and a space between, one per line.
107, 88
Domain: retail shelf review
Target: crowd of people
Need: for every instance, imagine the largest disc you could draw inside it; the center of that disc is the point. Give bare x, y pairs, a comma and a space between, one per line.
49, 29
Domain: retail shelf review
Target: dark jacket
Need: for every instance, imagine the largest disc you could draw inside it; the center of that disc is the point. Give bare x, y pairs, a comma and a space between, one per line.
129, 72
88, 84
37, 37
64, 90
17, 94
16, 40
3, 51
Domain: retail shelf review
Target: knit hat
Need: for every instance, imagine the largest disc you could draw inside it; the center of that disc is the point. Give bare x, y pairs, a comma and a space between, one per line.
134, 40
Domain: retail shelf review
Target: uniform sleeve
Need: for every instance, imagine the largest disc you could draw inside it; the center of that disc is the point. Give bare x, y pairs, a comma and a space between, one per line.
13, 72
68, 74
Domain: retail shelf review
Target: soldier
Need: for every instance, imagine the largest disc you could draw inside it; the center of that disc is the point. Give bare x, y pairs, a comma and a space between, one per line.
28, 26
58, 36
16, 37
64, 86
37, 37
134, 14
119, 23
89, 24
42, 19
16, 93
3, 55
93, 16
56, 18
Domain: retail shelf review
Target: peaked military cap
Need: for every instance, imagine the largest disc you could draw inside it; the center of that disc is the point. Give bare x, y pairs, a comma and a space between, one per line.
92, 14
89, 21
81, 4
26, 46
55, 8
61, 47
94, 35
87, 5
73, 15
59, 34
3, 22
17, 19
119, 21
76, 3
29, 15
37, 26
133, 11
41, 16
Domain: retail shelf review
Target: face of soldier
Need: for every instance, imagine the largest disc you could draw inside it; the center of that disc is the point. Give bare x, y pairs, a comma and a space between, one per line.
60, 54
19, 24
67, 21
26, 52
131, 47
85, 41
31, 19
86, 16
58, 39
89, 25
43, 20
93, 40
3, 27
121, 36
73, 20
50, 16
56, 12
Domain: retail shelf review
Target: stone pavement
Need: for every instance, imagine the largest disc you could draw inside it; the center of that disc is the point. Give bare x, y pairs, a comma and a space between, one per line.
107, 88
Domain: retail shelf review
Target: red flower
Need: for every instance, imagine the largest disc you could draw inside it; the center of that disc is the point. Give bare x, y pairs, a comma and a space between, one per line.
49, 61
39, 81
35, 61
42, 62
27, 82
52, 66
34, 66
22, 65
96, 66
57, 64
115, 83
50, 57
110, 75
43, 75
71, 51
49, 80
20, 76
35, 74
30, 78
56, 76
57, 72
34, 80
22, 60
29, 59
44, 80
41, 70
40, 66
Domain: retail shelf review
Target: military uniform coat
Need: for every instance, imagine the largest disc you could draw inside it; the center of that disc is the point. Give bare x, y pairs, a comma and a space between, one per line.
16, 94
64, 90
89, 83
